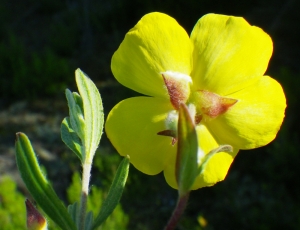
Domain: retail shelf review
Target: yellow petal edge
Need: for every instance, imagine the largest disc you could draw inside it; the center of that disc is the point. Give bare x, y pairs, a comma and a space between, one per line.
156, 44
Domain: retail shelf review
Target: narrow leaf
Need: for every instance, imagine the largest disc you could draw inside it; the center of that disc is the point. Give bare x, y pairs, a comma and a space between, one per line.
75, 112
38, 186
70, 138
89, 221
114, 194
78, 101
187, 151
73, 210
93, 113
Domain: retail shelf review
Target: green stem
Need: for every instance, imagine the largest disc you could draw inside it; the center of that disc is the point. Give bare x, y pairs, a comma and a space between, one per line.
178, 211
86, 170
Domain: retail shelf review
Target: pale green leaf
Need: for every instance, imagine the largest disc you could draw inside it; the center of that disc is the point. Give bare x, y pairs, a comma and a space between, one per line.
76, 116
93, 113
70, 138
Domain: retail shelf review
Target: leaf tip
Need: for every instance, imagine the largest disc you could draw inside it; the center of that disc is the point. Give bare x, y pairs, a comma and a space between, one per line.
19, 135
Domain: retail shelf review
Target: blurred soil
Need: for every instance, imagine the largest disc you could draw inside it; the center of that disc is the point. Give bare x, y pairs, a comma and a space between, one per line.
40, 120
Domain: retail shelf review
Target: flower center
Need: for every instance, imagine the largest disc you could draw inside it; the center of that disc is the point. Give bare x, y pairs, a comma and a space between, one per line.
201, 103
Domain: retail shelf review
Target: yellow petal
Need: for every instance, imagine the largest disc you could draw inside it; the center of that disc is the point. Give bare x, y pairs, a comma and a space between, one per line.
217, 167
132, 127
229, 54
255, 119
156, 44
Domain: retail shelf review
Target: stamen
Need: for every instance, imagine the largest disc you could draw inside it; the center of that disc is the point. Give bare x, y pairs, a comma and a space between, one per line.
213, 105
169, 133
178, 86
198, 118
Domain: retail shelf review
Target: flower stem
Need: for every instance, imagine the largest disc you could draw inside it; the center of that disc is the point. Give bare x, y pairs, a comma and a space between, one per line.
86, 170
178, 211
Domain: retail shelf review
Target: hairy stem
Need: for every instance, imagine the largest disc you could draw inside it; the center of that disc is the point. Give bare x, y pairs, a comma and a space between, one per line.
178, 211
86, 167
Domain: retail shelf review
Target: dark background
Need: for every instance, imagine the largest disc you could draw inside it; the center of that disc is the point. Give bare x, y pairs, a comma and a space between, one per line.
42, 42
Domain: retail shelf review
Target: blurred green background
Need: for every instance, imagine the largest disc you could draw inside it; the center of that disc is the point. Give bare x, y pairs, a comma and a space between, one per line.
42, 42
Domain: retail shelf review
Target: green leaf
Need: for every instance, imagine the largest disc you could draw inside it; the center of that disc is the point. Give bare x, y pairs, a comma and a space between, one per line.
78, 101
38, 186
88, 221
93, 114
187, 151
76, 114
73, 210
115, 192
70, 138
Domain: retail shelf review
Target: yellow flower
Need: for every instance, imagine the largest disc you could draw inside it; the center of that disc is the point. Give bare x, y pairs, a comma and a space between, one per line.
218, 72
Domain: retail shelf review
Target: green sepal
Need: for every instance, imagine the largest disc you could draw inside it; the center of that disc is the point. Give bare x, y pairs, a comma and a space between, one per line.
206, 159
93, 114
38, 186
187, 151
70, 138
114, 194
76, 114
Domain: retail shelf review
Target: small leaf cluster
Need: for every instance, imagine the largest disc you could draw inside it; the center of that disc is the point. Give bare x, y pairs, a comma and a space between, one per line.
81, 132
